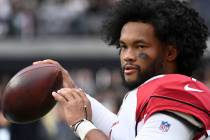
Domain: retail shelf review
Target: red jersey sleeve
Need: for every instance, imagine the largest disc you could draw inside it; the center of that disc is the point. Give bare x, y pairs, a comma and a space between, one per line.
176, 93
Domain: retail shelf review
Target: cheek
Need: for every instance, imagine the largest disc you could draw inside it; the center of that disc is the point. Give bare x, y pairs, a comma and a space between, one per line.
149, 55
143, 56
121, 60
146, 60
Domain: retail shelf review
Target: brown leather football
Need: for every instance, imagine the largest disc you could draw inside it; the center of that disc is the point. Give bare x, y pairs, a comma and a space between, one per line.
27, 96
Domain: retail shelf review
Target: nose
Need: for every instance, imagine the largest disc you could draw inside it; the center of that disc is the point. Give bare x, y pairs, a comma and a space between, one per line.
129, 54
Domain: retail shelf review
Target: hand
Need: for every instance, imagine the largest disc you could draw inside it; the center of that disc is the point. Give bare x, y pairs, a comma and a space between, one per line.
3, 121
75, 104
67, 81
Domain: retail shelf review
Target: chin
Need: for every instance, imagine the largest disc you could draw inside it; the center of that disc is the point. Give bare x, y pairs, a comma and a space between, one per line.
132, 81
131, 78
131, 85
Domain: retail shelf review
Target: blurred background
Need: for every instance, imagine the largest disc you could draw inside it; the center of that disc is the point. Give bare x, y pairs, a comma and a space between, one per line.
69, 32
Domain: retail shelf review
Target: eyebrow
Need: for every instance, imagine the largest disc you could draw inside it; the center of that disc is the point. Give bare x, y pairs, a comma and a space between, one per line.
136, 42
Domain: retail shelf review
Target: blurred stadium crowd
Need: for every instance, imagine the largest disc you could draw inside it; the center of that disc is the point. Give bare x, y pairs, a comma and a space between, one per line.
25, 19
32, 18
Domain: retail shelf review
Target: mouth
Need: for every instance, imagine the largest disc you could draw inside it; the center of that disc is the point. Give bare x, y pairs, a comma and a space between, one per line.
130, 69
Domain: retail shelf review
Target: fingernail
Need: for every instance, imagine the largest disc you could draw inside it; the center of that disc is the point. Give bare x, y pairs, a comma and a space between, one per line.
36, 62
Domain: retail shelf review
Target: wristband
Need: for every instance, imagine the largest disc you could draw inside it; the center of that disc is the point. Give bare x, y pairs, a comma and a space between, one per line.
74, 126
82, 128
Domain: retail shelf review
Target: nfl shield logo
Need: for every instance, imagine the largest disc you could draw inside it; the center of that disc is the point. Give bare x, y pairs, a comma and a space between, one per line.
164, 126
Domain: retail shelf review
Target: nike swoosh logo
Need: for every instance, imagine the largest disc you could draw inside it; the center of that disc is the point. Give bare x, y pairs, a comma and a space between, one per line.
187, 88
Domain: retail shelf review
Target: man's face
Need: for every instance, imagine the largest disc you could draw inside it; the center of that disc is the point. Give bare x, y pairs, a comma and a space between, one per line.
141, 53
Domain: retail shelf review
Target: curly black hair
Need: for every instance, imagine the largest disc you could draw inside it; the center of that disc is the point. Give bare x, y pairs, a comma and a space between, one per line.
175, 23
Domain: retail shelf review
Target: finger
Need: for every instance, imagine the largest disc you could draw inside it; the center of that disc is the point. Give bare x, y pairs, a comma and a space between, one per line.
66, 94
46, 61
76, 94
36, 62
82, 94
41, 62
50, 61
87, 104
58, 98
71, 94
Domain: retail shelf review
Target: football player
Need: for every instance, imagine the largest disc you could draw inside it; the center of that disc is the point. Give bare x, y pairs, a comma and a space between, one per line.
160, 44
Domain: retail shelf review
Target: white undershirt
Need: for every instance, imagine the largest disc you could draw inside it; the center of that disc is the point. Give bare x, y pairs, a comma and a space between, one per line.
102, 118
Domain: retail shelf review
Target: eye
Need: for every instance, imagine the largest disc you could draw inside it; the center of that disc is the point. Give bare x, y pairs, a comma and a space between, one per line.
121, 46
141, 46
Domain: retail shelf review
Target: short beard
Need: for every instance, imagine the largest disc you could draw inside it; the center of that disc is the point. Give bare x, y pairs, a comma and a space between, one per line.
156, 68
141, 78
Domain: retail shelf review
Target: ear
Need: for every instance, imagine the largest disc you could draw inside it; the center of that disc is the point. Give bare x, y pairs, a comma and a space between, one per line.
172, 53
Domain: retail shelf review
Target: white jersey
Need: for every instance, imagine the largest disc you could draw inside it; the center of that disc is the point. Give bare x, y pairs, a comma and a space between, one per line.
122, 126
117, 127
125, 126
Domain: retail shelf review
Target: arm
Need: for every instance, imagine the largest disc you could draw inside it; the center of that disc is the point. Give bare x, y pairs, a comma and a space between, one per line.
96, 135
67, 81
74, 103
164, 127
102, 118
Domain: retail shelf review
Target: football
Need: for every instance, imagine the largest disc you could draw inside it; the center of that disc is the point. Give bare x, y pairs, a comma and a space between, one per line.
27, 96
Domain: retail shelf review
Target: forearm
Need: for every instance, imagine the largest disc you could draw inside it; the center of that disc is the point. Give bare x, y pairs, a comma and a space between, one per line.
102, 118
96, 134
85, 130
100, 125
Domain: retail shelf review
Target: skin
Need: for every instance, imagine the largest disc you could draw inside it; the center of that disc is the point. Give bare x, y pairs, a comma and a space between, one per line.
142, 55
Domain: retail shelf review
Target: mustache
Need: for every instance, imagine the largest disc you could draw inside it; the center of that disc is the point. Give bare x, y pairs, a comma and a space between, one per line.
131, 65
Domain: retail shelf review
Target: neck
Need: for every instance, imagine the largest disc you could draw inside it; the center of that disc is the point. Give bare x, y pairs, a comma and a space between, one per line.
170, 68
